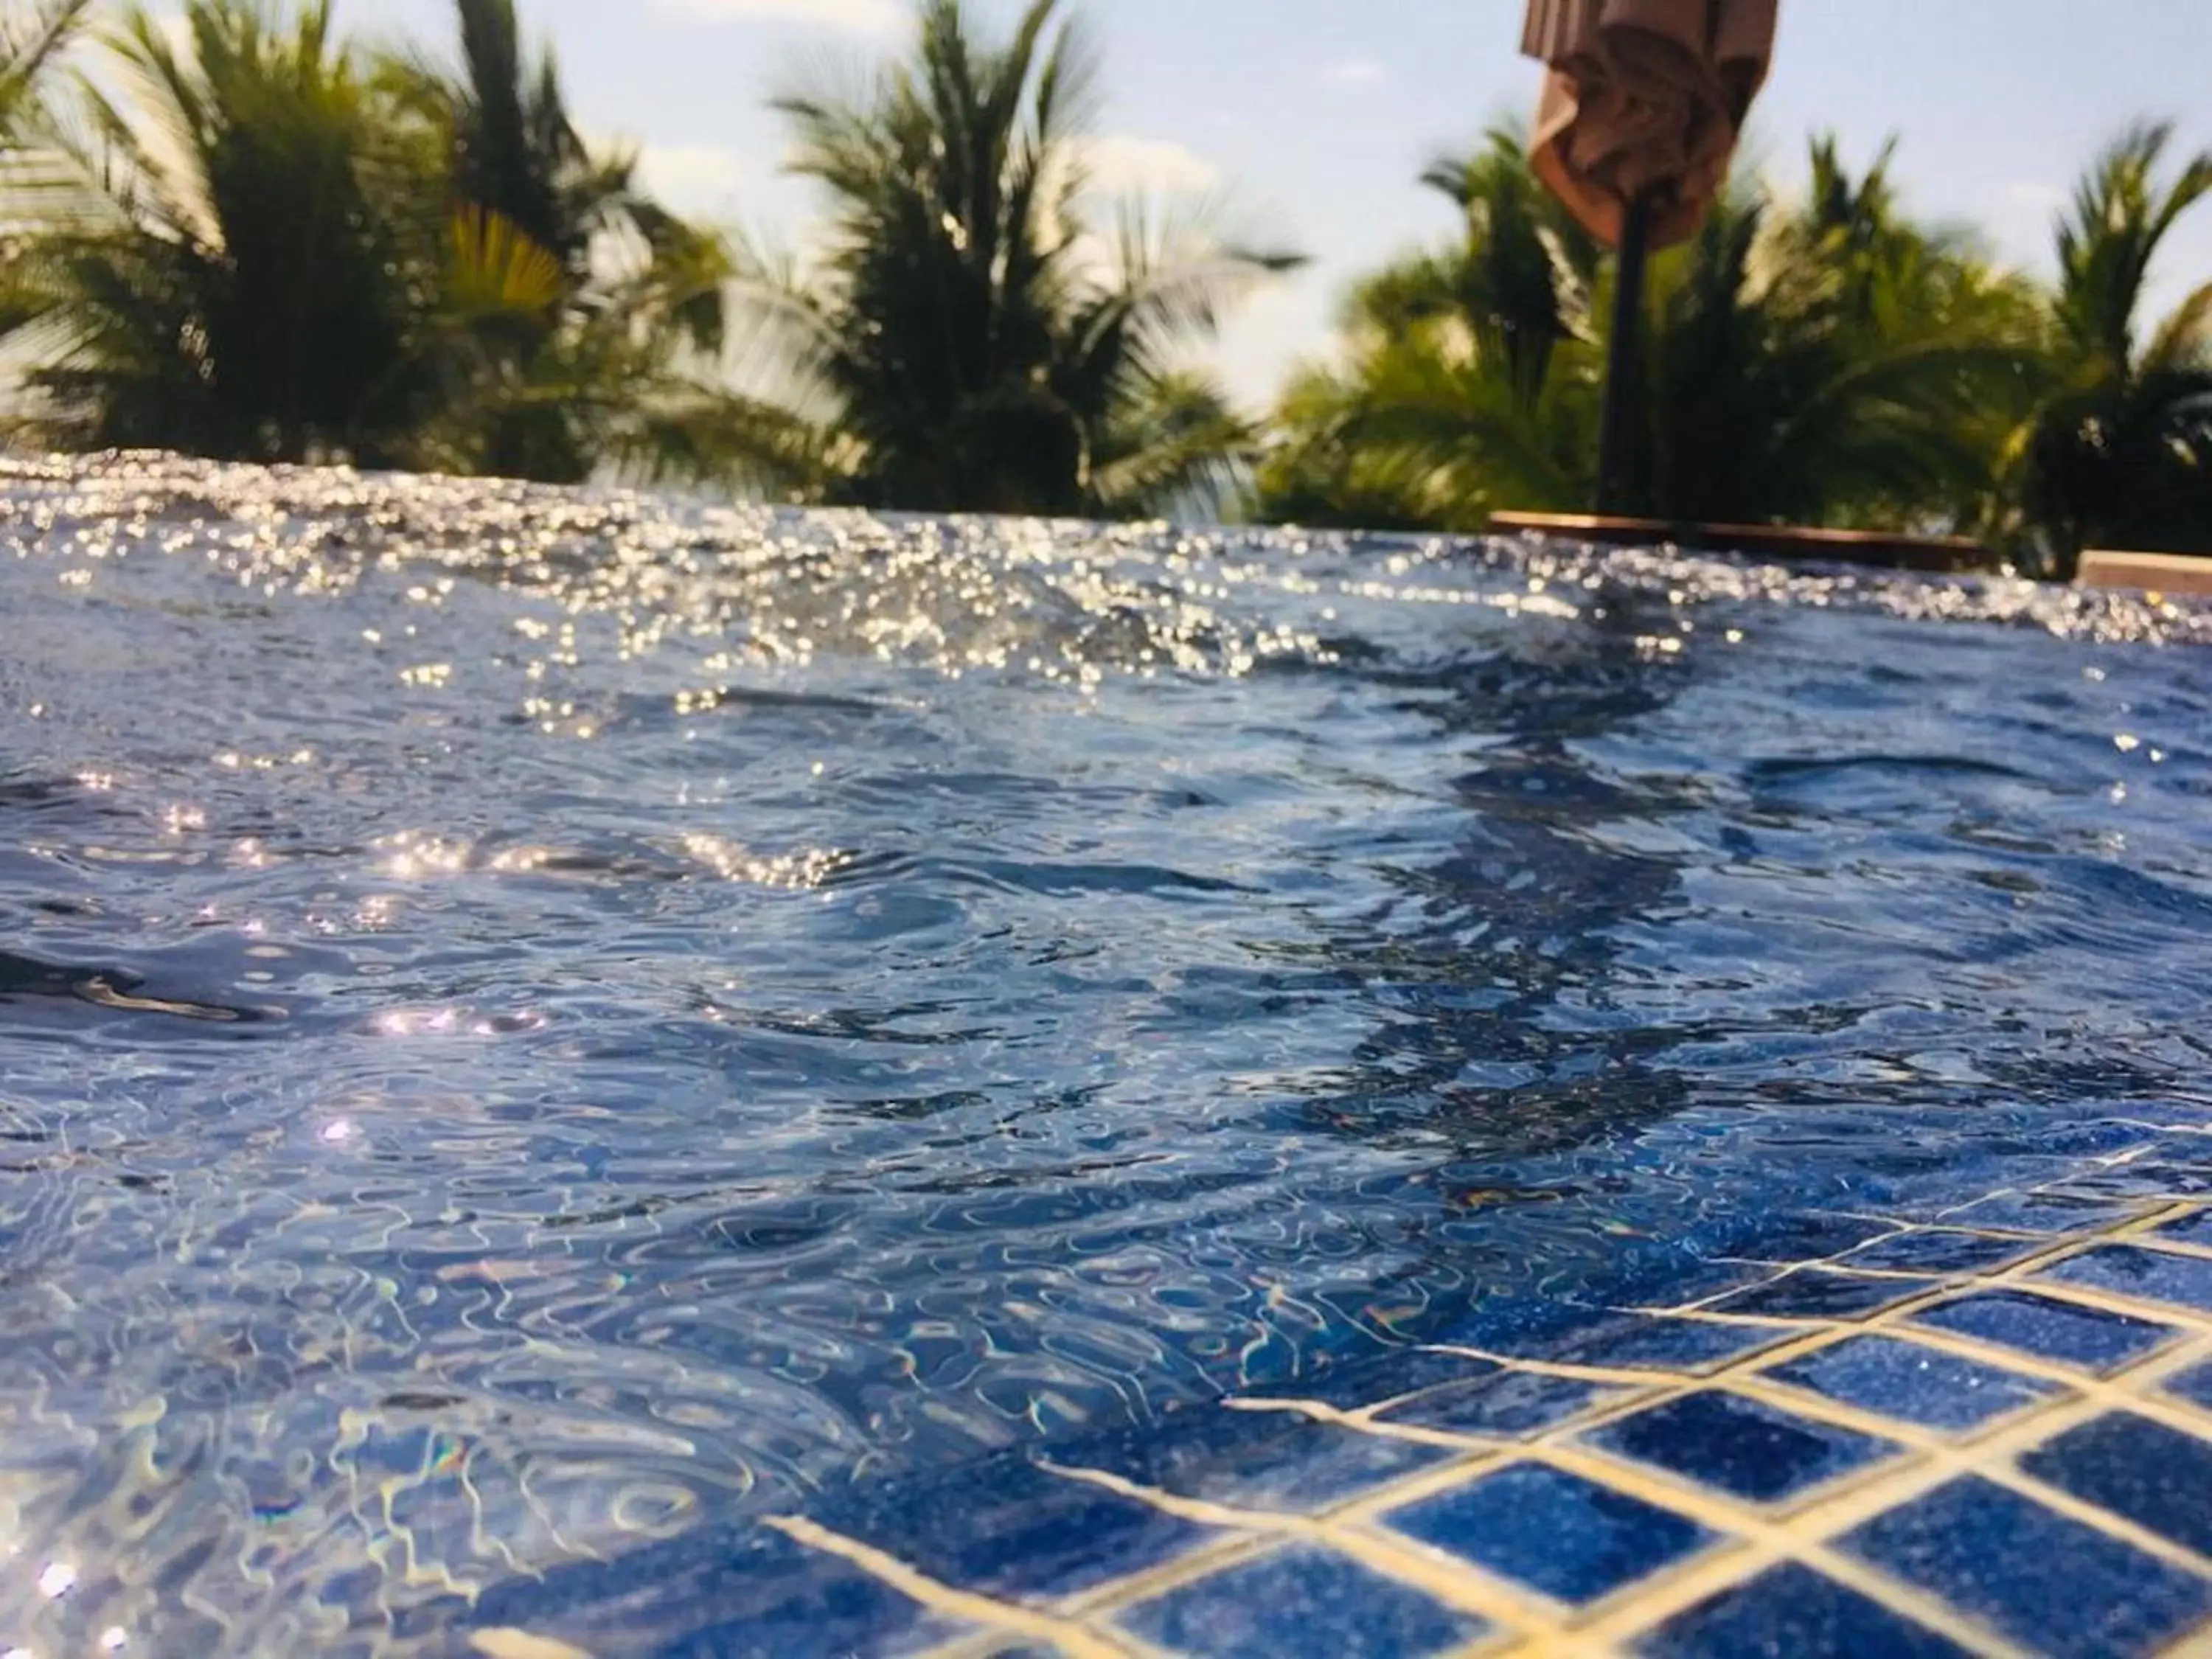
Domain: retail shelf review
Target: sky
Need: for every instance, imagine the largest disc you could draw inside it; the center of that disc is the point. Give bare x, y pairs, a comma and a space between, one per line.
1317, 116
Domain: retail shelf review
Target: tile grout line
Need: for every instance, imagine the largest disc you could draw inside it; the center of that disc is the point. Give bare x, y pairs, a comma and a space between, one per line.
1075, 1640
2035, 1427
1792, 1538
2055, 1251
1997, 1452
1809, 1535
1994, 1459
1204, 1561
2123, 1392
1750, 1540
1470, 1590
2018, 1277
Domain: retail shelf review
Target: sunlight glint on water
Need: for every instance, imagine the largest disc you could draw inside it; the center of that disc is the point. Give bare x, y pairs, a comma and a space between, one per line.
529, 1020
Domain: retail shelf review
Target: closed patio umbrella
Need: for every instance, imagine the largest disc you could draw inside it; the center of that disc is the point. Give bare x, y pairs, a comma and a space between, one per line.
1641, 113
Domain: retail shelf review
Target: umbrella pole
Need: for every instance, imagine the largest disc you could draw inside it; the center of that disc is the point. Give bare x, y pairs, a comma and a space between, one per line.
1619, 437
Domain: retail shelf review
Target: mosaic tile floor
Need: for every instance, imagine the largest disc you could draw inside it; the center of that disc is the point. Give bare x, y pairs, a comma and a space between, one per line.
1980, 1428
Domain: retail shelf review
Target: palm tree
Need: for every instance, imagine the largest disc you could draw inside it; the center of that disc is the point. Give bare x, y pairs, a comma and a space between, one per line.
1830, 363
277, 250
1524, 283
972, 342
2121, 455
594, 312
233, 274
1471, 386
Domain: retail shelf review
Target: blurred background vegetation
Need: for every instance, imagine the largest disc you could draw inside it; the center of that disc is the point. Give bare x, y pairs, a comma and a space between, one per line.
253, 238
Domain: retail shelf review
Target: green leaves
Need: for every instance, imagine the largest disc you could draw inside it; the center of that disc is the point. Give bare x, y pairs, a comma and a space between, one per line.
2120, 452
268, 245
1820, 362
2111, 234
1825, 362
229, 274
500, 271
31, 40
980, 341
234, 233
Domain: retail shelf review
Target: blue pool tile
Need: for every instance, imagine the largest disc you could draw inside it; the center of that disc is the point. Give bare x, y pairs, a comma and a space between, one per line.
1301, 1604
2191, 1149
1509, 1405
1940, 1252
2190, 1229
720, 1593
1010, 1529
1811, 1238
1911, 1383
1701, 1279
2196, 1387
2050, 1584
2140, 1181
1263, 1459
2042, 1212
2147, 1275
2156, 1476
2088, 1337
1819, 1293
1741, 1446
1791, 1611
1379, 1377
1568, 1537
1651, 1342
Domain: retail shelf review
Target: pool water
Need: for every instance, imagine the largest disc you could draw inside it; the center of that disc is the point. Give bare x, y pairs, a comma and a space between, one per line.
543, 1028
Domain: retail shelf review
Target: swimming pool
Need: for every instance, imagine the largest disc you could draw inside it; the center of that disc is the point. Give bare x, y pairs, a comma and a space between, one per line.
540, 1030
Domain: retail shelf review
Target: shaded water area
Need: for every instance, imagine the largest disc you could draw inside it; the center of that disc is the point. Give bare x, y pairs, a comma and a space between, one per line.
531, 1022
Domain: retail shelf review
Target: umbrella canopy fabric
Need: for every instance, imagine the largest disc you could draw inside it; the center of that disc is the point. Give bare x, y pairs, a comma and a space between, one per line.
1646, 98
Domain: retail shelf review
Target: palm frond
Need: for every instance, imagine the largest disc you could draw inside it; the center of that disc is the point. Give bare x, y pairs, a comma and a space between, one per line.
30, 42
1822, 363
982, 343
499, 269
1180, 450
2184, 340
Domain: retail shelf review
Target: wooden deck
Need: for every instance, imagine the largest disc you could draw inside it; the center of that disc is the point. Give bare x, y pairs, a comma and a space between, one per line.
1941, 556
2154, 573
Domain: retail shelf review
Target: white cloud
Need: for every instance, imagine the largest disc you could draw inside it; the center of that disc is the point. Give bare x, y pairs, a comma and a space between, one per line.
1355, 72
1121, 165
692, 177
1281, 325
2044, 196
849, 17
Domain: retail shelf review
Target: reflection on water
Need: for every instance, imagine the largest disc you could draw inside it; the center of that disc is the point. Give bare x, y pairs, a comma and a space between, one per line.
530, 1020
22, 977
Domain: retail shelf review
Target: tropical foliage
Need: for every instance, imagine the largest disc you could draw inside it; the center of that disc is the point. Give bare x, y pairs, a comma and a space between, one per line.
1816, 362
1821, 361
233, 277
237, 233
30, 40
973, 340
268, 245
2120, 455
596, 314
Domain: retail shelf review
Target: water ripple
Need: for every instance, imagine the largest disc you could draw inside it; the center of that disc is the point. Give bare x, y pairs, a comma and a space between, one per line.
530, 1020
